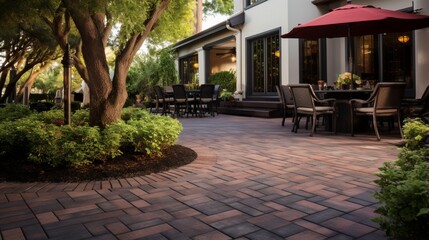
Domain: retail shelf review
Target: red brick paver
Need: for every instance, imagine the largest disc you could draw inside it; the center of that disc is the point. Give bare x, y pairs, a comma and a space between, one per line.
253, 179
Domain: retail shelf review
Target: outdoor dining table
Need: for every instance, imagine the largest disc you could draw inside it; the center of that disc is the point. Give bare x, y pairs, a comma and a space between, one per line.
343, 106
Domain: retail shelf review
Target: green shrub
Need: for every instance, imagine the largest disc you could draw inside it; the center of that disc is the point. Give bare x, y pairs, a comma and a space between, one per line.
80, 117
42, 138
116, 136
50, 117
226, 80
14, 138
155, 133
404, 188
134, 113
14, 111
66, 146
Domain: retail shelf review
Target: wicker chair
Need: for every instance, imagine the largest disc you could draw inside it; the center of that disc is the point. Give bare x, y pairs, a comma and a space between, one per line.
286, 102
182, 103
162, 101
308, 104
206, 100
385, 101
416, 107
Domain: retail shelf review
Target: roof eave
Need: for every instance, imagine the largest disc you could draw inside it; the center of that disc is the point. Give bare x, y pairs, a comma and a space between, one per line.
234, 20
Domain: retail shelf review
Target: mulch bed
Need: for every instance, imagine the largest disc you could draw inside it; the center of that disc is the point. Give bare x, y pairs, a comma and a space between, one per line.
125, 166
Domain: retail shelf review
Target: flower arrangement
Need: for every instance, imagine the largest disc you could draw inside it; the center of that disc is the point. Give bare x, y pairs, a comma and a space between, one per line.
346, 79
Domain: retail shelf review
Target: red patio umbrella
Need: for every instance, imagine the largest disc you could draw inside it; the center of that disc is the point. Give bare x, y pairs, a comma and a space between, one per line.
357, 20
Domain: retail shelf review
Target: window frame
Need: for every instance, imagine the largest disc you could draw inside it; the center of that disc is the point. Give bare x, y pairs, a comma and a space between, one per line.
249, 63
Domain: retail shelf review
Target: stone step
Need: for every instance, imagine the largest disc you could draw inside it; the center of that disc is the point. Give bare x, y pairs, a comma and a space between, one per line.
264, 109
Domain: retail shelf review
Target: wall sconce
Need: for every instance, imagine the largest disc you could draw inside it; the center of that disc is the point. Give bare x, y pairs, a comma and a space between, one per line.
196, 65
233, 58
403, 39
277, 53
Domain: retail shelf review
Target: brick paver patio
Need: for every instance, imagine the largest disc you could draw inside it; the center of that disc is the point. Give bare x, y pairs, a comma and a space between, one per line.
253, 179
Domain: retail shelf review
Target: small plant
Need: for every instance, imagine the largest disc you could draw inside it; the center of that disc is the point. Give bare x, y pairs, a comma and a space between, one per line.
226, 95
14, 111
226, 80
404, 188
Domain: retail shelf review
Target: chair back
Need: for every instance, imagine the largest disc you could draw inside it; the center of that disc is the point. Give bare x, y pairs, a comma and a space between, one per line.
388, 95
302, 95
207, 91
216, 92
287, 95
424, 100
280, 93
179, 91
159, 93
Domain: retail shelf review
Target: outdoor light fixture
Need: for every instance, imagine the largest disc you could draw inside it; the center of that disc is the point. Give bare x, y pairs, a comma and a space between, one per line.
233, 58
277, 53
403, 39
196, 65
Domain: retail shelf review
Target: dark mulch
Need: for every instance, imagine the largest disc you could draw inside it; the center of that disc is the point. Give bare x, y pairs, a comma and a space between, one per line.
127, 165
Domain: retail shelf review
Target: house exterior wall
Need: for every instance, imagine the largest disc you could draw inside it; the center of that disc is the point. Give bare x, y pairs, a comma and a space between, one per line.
196, 48
283, 15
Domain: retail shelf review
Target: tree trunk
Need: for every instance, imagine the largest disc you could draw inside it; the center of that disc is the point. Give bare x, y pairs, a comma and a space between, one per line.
107, 96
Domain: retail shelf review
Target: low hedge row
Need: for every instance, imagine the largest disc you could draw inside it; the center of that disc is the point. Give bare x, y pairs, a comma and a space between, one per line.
43, 138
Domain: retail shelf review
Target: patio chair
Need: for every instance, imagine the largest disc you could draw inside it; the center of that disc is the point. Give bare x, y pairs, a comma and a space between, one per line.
182, 103
216, 98
205, 100
286, 102
162, 101
308, 104
416, 107
385, 101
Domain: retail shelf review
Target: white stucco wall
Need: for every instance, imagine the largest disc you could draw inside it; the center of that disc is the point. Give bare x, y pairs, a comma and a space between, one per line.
286, 14
422, 51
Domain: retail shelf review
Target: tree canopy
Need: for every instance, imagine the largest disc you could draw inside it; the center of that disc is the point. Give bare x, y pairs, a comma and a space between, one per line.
224, 7
91, 28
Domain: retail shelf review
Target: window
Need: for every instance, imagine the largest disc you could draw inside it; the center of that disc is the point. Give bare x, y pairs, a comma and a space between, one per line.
366, 57
265, 64
252, 2
395, 53
310, 62
398, 64
188, 69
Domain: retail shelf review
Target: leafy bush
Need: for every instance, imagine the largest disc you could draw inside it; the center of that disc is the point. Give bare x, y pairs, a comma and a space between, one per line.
404, 188
14, 111
50, 117
153, 134
226, 80
14, 138
67, 146
42, 138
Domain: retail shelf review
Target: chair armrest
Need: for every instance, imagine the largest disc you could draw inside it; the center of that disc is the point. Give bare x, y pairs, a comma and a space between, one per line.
358, 102
411, 101
330, 101
361, 101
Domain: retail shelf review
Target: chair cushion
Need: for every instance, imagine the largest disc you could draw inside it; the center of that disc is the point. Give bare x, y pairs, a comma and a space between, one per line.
370, 110
318, 109
206, 100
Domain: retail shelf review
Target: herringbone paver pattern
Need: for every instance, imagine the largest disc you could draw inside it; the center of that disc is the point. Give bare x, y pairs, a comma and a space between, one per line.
253, 179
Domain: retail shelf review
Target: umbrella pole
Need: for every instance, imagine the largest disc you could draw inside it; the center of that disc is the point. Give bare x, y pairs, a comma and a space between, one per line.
350, 67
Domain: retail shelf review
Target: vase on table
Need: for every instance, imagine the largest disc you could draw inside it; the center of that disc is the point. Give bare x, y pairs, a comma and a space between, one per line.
345, 86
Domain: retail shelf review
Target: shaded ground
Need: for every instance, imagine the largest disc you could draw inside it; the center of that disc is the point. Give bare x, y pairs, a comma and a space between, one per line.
125, 166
